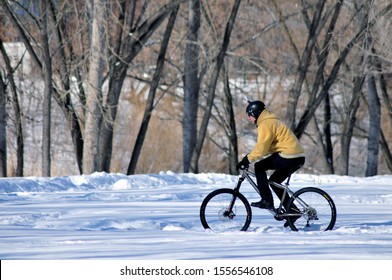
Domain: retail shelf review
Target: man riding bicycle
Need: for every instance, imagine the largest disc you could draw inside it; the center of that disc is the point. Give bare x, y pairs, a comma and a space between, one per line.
277, 148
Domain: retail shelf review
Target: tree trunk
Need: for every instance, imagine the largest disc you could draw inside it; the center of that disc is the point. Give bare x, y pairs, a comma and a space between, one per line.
349, 123
3, 128
374, 114
191, 84
386, 151
374, 126
151, 95
388, 104
327, 133
94, 90
17, 114
230, 126
47, 108
374, 105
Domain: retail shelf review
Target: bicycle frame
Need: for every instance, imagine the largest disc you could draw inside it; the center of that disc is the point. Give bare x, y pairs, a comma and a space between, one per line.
279, 213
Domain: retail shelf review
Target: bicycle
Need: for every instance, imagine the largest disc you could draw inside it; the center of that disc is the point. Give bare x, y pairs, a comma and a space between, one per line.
311, 209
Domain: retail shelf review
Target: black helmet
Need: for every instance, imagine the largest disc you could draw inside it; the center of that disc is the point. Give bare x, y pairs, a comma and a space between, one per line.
255, 108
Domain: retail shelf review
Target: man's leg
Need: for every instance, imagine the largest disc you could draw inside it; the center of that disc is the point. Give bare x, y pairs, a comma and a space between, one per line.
284, 168
280, 176
262, 180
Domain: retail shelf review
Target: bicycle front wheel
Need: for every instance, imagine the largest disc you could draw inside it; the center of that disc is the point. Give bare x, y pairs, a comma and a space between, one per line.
312, 209
225, 210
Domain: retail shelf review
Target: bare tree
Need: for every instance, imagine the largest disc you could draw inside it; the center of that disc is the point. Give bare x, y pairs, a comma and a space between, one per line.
17, 112
349, 121
322, 55
388, 105
191, 83
94, 86
229, 124
224, 117
46, 68
304, 63
151, 95
350, 111
65, 59
212, 86
3, 130
47, 74
374, 120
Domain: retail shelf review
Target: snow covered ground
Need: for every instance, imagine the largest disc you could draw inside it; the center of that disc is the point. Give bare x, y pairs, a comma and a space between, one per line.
156, 217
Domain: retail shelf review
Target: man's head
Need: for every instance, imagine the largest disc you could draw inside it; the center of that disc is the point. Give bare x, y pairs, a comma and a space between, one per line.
254, 109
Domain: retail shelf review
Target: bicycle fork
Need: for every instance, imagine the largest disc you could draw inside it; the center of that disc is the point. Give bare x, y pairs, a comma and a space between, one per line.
229, 212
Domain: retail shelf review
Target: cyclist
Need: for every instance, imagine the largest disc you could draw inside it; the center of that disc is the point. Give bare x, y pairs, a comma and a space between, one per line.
277, 148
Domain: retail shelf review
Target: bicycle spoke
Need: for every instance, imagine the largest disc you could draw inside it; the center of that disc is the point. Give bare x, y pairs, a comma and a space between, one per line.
217, 215
317, 209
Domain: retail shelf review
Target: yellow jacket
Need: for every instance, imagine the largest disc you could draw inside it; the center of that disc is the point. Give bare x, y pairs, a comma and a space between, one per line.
273, 136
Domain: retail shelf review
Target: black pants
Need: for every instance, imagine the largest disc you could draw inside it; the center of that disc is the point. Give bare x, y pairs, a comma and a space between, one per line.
283, 168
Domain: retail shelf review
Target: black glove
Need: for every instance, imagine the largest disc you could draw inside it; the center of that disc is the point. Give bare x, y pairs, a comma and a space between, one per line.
243, 164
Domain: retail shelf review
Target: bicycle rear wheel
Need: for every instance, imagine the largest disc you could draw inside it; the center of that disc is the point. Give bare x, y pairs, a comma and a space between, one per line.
215, 212
317, 211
